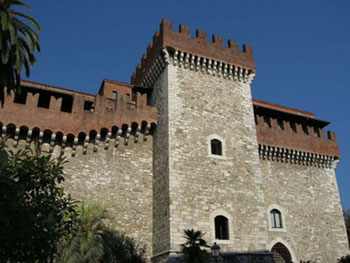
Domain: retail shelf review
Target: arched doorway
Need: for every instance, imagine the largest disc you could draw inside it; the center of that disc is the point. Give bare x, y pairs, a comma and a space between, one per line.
281, 254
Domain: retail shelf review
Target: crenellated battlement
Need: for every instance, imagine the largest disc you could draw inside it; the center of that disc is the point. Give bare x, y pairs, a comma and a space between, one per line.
69, 118
285, 130
213, 55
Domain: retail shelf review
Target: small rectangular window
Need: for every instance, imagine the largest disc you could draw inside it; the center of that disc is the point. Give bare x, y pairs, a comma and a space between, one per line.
67, 104
44, 100
114, 95
89, 105
20, 97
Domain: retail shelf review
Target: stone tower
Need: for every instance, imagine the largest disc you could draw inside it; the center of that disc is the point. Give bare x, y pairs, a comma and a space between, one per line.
202, 94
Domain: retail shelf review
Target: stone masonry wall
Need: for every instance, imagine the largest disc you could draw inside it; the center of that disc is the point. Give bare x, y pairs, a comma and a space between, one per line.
202, 186
313, 221
161, 228
120, 178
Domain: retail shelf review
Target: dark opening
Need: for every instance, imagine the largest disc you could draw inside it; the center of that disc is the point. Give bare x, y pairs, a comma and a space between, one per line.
70, 140
280, 124
67, 104
35, 134
276, 218
89, 105
317, 131
59, 138
281, 254
114, 131
10, 131
103, 133
114, 95
23, 132
81, 138
92, 136
216, 147
293, 126
267, 120
47, 136
20, 97
44, 99
305, 129
221, 228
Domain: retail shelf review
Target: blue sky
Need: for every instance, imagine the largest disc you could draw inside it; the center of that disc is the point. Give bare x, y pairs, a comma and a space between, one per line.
301, 49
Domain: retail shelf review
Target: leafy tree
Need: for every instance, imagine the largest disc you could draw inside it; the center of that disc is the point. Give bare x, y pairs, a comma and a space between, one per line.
94, 241
344, 259
18, 43
35, 211
192, 248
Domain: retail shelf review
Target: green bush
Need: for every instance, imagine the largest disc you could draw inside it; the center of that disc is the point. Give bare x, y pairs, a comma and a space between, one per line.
35, 211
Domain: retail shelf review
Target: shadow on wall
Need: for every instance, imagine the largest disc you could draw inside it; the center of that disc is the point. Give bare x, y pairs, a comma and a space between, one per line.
231, 257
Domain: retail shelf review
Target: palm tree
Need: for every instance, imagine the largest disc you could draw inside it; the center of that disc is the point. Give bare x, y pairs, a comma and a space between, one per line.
85, 244
96, 242
18, 43
192, 248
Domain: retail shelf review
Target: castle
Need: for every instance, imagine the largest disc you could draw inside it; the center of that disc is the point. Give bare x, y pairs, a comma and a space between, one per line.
185, 146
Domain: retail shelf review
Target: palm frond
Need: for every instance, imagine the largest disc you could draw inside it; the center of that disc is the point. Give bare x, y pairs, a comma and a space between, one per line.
32, 20
4, 20
20, 3
18, 42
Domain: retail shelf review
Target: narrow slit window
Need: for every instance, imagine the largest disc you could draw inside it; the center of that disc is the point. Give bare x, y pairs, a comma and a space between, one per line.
276, 218
293, 126
280, 124
317, 131
114, 95
221, 228
216, 147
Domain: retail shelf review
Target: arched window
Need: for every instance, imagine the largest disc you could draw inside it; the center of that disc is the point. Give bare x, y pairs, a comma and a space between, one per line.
221, 228
216, 147
281, 254
276, 219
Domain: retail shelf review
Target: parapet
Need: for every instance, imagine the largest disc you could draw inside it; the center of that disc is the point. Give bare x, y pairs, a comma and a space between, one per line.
284, 132
198, 45
69, 118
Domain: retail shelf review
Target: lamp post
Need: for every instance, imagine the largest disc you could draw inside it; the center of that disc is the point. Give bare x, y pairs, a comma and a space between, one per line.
215, 251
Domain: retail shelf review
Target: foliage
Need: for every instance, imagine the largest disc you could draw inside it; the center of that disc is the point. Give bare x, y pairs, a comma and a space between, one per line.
35, 211
347, 223
344, 259
94, 241
192, 248
18, 42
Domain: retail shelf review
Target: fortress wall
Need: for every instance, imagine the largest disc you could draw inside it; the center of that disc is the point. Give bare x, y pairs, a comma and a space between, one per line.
202, 186
309, 199
120, 178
